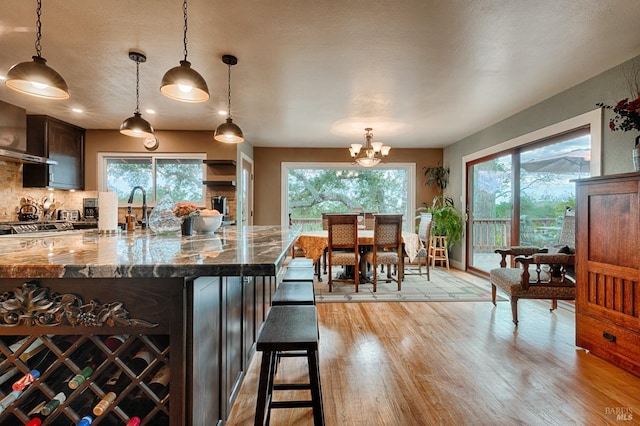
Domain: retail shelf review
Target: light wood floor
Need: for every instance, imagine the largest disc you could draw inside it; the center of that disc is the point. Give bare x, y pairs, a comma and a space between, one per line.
452, 363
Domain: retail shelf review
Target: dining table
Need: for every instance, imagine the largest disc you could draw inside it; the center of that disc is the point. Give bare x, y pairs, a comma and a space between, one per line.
315, 243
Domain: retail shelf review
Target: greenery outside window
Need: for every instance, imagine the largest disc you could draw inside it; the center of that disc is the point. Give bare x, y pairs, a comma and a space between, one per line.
179, 175
310, 189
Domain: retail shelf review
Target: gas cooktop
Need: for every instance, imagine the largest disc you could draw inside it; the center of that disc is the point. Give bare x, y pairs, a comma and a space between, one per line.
30, 227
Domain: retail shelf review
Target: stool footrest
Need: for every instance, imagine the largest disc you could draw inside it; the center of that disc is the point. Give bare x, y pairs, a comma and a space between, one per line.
291, 404
293, 354
291, 386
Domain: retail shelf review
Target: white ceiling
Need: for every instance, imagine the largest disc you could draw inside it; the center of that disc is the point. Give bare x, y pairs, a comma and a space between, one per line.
422, 73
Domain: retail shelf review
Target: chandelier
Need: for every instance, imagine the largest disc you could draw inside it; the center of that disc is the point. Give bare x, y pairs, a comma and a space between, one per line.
371, 154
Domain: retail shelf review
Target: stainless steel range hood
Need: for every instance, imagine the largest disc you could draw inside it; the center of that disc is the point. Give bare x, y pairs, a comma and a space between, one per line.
21, 157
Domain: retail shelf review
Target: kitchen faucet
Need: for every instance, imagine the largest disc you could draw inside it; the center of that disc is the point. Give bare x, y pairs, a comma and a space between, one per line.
144, 204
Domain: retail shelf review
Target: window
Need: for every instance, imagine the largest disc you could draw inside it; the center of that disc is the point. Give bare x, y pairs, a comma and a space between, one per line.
179, 175
310, 189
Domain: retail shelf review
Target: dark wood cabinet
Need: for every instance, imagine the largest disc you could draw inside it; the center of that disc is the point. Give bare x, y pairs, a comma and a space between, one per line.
205, 341
608, 268
61, 142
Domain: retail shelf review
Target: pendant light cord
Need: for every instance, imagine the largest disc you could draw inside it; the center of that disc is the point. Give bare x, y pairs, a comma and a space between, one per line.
137, 86
229, 92
38, 29
184, 10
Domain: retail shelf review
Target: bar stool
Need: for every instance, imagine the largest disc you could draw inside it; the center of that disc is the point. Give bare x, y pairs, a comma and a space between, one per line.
438, 251
300, 262
299, 274
288, 328
294, 293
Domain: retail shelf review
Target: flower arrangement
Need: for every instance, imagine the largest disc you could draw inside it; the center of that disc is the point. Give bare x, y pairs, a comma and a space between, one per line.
627, 115
185, 210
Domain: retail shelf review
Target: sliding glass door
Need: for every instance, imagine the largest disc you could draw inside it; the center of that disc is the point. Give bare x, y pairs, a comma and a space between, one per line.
518, 197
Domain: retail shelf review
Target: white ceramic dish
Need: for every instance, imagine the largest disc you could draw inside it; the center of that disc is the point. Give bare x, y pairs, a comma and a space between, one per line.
207, 224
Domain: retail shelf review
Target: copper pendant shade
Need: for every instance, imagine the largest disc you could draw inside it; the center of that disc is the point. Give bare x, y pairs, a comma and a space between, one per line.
36, 78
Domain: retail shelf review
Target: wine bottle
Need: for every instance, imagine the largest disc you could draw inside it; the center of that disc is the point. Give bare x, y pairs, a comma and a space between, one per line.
141, 404
33, 348
53, 404
85, 421
159, 384
104, 403
94, 357
26, 380
80, 378
134, 421
8, 374
34, 421
8, 400
140, 361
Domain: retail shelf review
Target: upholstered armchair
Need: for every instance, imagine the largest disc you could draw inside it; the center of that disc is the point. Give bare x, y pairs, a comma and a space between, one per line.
540, 275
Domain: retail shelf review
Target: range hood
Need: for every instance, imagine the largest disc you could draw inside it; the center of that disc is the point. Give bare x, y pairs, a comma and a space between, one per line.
21, 157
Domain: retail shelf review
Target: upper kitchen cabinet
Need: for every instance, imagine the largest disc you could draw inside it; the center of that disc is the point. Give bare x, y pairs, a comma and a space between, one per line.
61, 142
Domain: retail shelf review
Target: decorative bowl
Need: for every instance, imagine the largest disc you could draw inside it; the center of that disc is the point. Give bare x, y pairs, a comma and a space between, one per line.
207, 224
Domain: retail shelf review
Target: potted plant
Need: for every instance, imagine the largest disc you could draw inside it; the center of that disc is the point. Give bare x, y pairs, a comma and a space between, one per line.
437, 175
447, 220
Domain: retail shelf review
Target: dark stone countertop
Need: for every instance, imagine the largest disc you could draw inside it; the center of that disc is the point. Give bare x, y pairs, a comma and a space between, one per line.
230, 251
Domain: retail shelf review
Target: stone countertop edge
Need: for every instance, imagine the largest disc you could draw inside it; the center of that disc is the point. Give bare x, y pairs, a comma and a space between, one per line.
230, 251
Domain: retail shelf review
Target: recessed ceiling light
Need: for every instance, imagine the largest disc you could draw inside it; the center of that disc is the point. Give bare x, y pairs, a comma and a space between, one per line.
222, 112
150, 111
78, 110
2, 77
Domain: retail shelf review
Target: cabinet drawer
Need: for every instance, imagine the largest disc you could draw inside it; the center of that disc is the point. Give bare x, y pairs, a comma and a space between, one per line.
608, 341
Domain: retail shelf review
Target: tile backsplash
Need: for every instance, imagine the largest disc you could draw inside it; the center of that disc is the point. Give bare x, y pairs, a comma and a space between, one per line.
11, 191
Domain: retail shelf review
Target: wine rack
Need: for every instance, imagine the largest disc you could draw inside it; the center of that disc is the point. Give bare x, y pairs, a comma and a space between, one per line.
59, 358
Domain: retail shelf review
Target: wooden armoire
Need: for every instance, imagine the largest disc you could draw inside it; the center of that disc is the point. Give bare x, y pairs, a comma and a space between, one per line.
608, 268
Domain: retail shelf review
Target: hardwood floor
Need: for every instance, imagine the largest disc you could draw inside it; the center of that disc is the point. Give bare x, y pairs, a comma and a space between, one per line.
453, 363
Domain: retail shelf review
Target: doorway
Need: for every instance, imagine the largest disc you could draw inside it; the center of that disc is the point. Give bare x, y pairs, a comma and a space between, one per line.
246, 191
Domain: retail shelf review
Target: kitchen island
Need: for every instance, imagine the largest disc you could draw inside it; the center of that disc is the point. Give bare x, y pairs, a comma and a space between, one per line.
195, 303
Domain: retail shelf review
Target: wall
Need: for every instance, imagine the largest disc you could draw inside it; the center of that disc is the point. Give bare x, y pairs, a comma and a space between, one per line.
267, 163
169, 141
608, 87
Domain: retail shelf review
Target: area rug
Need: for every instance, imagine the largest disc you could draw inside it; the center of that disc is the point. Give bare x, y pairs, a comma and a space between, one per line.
443, 287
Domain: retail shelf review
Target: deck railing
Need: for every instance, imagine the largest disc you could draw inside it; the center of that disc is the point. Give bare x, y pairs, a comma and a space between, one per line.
488, 234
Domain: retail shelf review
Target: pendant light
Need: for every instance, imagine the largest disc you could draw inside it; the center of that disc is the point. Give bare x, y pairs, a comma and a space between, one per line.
137, 126
229, 132
36, 78
183, 83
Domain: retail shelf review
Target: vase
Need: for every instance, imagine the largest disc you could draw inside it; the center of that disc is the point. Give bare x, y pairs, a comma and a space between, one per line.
636, 155
187, 226
162, 221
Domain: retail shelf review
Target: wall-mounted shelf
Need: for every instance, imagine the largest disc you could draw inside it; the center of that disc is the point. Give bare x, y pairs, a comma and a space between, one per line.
223, 173
220, 162
229, 183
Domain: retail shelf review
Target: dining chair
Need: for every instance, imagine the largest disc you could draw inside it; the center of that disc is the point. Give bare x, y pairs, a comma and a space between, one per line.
424, 233
387, 247
369, 220
342, 247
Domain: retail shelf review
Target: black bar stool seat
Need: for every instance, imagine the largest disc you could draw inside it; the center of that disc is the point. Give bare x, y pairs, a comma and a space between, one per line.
299, 274
288, 328
294, 293
300, 262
